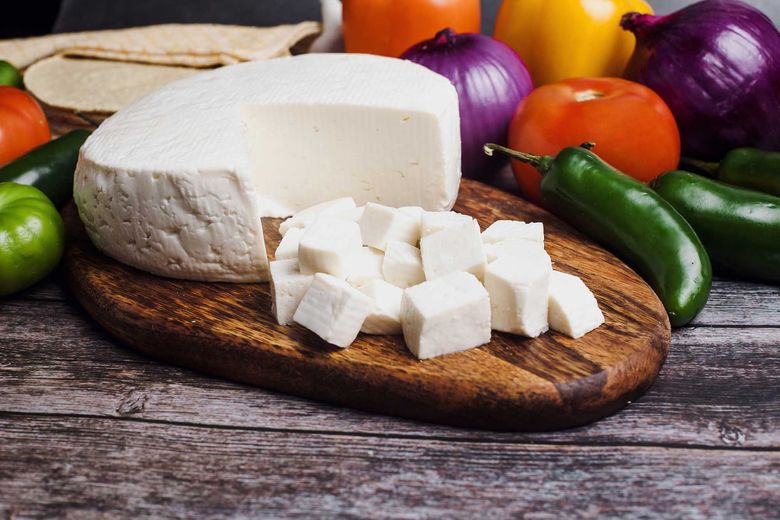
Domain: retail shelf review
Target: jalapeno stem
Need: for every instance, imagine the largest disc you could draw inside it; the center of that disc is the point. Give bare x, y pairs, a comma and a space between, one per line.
541, 163
708, 168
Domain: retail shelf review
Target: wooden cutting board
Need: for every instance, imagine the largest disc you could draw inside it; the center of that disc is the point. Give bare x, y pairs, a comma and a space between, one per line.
512, 383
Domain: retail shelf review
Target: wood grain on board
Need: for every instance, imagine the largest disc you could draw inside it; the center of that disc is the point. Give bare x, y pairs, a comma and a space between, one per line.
512, 383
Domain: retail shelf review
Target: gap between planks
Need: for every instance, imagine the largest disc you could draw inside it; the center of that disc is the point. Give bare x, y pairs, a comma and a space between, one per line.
394, 436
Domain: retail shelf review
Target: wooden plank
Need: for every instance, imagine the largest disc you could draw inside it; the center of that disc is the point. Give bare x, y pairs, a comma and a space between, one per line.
741, 304
90, 467
718, 388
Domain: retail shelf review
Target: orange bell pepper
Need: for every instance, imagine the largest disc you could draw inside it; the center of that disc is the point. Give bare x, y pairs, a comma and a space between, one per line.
390, 27
560, 39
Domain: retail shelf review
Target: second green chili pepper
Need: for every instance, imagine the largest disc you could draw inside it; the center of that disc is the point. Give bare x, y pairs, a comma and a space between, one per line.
739, 227
630, 219
746, 167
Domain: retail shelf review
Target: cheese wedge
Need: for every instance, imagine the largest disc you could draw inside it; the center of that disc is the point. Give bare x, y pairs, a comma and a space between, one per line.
176, 183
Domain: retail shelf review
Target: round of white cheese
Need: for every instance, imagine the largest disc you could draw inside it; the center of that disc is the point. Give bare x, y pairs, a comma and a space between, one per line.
176, 183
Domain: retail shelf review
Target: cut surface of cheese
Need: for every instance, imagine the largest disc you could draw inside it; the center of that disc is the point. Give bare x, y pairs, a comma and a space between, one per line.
177, 182
452, 249
288, 247
519, 289
385, 318
307, 216
434, 221
573, 309
513, 229
402, 265
329, 246
446, 315
333, 309
511, 247
365, 265
380, 224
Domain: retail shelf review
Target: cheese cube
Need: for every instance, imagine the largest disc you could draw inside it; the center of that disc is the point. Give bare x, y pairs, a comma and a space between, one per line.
385, 317
402, 265
288, 286
434, 221
511, 247
365, 265
328, 246
351, 214
416, 213
306, 217
508, 229
333, 309
449, 314
519, 288
454, 249
288, 247
380, 224
573, 310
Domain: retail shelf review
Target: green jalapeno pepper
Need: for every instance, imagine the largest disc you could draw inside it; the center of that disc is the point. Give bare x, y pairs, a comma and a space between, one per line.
630, 219
740, 228
49, 167
745, 167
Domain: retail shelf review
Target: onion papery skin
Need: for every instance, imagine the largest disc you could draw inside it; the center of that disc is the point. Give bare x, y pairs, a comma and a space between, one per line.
716, 64
491, 80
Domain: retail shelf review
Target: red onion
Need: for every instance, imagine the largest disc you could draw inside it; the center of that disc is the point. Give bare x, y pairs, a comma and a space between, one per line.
716, 64
491, 80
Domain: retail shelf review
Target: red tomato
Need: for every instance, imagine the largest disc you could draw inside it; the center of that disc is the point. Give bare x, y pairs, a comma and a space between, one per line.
23, 125
632, 127
389, 27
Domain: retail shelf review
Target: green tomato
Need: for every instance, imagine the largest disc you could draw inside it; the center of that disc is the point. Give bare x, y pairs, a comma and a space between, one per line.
32, 237
9, 75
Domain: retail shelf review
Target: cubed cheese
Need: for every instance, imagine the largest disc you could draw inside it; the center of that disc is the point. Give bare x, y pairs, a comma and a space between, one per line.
288, 286
511, 247
333, 309
381, 224
449, 314
508, 229
288, 247
434, 221
328, 246
454, 249
306, 217
351, 214
365, 265
519, 289
416, 213
402, 265
385, 317
573, 310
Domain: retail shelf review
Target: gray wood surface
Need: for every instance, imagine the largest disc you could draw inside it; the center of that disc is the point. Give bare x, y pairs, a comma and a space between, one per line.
90, 429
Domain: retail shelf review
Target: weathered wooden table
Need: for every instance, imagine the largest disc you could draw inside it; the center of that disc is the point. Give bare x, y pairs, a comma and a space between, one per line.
90, 429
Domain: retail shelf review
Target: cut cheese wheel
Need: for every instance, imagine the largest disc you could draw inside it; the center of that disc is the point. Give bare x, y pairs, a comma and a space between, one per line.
176, 183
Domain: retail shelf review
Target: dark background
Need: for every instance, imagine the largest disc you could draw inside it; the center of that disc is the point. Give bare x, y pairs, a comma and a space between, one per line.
42, 16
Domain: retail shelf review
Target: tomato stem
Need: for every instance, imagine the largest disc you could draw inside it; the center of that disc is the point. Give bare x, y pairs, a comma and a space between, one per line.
541, 163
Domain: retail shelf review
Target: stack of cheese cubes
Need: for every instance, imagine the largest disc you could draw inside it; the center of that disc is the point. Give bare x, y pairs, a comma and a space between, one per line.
432, 276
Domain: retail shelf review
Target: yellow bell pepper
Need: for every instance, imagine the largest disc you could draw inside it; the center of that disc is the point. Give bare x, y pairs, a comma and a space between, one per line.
560, 39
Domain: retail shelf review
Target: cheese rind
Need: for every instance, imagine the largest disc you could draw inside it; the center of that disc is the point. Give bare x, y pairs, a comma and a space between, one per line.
446, 315
573, 310
519, 289
329, 246
177, 182
385, 316
288, 286
333, 309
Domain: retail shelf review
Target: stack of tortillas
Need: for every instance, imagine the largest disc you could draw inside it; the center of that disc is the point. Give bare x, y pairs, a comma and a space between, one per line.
93, 74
